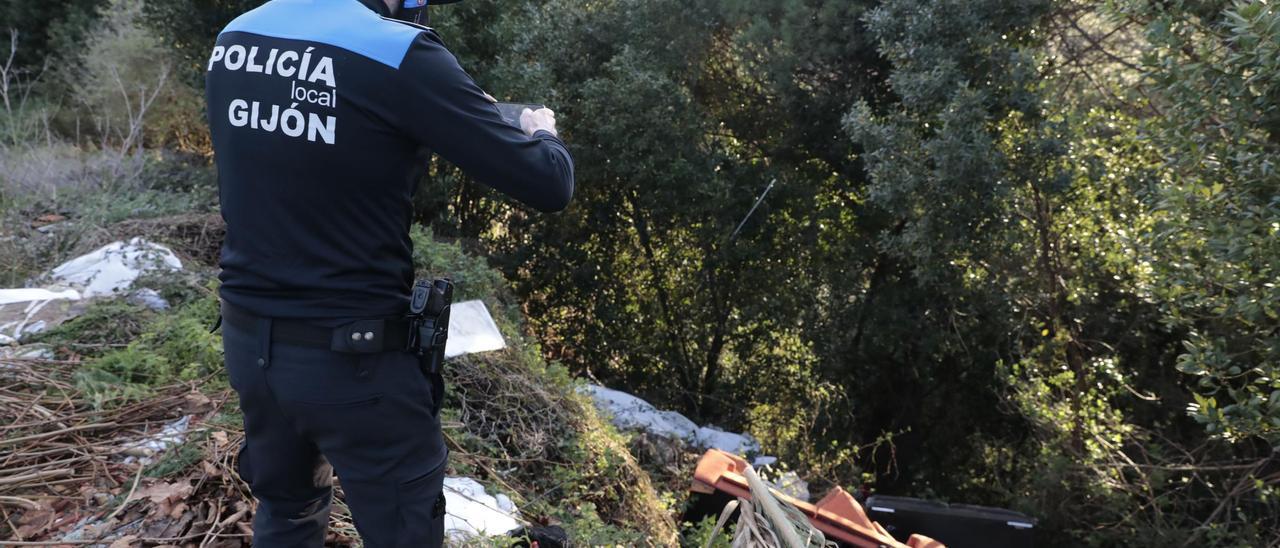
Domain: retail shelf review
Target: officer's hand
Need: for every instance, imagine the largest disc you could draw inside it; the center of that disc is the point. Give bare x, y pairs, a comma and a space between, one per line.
543, 119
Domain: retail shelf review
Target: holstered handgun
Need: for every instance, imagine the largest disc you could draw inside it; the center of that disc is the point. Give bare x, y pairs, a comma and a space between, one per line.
429, 322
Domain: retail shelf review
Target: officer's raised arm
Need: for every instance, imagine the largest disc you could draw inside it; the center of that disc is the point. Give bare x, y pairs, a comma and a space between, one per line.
444, 109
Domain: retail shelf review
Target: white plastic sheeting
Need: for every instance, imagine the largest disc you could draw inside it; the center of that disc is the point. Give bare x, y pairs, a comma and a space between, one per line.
149, 298
114, 267
105, 271
146, 449
36, 294
471, 512
30, 352
631, 413
32, 310
471, 330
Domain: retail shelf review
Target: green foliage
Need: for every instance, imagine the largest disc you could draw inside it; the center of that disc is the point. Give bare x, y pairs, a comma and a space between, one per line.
1217, 237
471, 275
44, 29
189, 28
103, 324
662, 299
173, 347
968, 272
127, 83
703, 534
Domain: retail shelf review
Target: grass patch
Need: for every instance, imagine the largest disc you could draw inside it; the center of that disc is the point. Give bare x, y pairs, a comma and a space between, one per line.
179, 458
472, 277
526, 432
104, 325
173, 347
90, 190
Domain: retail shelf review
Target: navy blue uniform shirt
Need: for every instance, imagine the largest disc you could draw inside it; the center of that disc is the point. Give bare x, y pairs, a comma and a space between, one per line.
319, 111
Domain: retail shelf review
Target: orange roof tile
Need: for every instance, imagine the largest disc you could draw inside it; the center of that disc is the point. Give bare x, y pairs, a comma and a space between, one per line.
837, 515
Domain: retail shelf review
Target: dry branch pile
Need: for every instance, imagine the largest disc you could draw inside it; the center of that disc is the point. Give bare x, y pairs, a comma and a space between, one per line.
71, 474
543, 442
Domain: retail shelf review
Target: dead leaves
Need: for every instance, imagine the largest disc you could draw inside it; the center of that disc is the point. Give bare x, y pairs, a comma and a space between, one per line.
124, 542
196, 403
47, 219
165, 496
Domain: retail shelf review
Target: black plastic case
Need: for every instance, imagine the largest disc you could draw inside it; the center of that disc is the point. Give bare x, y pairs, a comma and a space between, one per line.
956, 525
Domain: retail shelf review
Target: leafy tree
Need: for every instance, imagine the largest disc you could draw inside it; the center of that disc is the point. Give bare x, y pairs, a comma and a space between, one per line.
1217, 238
190, 27
44, 28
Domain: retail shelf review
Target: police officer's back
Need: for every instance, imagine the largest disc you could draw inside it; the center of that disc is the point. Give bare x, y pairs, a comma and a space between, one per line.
319, 112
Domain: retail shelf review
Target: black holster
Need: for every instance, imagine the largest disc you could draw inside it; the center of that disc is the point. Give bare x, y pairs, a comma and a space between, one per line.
429, 322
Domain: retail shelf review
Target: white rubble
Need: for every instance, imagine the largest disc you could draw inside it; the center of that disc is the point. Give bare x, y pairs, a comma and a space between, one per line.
471, 512
711, 437
36, 294
631, 413
104, 271
30, 352
149, 298
27, 311
760, 462
145, 450
471, 330
114, 267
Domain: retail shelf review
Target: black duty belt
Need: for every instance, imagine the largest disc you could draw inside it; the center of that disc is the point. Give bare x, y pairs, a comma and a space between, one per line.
358, 337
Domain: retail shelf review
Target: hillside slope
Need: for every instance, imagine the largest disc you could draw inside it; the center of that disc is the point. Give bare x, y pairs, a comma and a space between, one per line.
123, 427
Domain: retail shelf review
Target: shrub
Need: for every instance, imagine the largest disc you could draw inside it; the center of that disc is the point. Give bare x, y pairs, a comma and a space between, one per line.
472, 277
173, 347
124, 78
46, 26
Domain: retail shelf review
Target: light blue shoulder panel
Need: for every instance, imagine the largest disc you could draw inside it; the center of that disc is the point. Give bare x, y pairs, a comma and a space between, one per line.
346, 24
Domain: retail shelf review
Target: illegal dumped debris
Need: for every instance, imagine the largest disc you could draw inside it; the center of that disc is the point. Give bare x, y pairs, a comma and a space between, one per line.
144, 450
27, 311
472, 330
104, 272
471, 512
629, 412
838, 515
114, 267
149, 449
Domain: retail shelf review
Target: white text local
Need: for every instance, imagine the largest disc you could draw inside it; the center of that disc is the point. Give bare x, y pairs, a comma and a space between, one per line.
315, 97
285, 63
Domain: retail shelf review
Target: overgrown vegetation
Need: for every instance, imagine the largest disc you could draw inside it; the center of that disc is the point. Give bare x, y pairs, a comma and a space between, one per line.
526, 429
513, 420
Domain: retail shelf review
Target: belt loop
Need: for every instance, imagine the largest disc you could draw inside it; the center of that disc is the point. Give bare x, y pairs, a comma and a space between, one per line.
264, 342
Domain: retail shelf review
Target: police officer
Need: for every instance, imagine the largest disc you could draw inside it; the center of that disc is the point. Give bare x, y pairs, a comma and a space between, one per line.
319, 112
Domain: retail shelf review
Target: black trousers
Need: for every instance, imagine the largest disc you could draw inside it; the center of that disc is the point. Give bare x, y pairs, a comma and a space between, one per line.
309, 412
